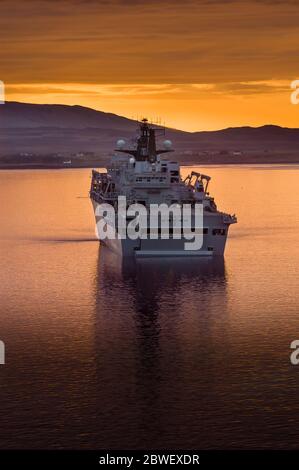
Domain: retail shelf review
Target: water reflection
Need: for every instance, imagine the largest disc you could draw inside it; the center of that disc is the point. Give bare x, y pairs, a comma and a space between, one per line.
149, 275
155, 322
149, 284
166, 355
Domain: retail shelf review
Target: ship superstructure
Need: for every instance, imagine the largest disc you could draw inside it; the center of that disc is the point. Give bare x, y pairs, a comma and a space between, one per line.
145, 177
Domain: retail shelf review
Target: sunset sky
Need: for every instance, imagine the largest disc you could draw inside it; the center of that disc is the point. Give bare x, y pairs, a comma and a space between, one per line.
196, 64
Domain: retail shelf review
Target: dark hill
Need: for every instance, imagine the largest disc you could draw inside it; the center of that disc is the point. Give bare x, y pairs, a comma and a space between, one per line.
45, 130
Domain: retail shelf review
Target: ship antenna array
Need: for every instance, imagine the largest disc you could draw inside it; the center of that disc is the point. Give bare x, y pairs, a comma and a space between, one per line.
157, 121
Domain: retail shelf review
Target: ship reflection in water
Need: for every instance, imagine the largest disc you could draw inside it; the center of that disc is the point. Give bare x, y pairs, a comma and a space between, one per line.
188, 354
155, 323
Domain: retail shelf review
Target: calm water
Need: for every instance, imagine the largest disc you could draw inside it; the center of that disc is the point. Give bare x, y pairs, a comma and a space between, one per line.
157, 355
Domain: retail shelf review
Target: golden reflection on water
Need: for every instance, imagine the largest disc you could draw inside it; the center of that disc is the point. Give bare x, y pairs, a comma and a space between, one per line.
202, 347
48, 248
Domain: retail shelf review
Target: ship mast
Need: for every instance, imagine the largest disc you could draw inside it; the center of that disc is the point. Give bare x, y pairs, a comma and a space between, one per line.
146, 144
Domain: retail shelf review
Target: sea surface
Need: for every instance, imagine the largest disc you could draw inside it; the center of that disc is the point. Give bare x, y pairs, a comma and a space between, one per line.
154, 355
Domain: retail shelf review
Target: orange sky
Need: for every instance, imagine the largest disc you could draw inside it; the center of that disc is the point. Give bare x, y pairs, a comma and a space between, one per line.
197, 64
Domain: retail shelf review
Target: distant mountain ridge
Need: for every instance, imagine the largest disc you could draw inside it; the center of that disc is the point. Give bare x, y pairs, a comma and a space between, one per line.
46, 129
15, 115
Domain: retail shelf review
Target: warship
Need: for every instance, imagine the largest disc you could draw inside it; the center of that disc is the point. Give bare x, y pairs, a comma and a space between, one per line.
142, 176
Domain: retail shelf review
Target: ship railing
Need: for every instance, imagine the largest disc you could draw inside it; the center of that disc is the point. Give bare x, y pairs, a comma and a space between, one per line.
100, 195
229, 219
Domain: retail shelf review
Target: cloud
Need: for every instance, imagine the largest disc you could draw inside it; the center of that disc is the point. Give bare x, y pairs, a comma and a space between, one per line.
169, 41
252, 88
179, 91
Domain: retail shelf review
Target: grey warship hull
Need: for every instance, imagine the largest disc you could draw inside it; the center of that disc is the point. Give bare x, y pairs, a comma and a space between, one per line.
144, 178
215, 233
